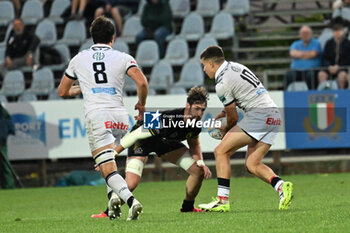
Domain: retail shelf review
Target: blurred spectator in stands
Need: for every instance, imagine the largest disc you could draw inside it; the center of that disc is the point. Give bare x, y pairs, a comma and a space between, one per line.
78, 8
306, 56
21, 46
156, 20
336, 55
110, 9
17, 5
6, 128
82, 9
341, 3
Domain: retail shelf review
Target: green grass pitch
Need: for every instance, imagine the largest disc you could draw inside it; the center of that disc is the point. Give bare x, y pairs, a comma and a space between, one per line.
321, 204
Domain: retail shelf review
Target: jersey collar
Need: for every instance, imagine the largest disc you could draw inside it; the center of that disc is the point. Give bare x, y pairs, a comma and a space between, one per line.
223, 65
100, 47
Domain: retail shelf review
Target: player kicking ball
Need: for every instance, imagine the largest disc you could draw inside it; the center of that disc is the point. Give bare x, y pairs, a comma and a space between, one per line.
235, 86
166, 143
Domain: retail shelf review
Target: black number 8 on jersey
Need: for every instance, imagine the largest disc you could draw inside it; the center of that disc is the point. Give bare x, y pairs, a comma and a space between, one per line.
100, 75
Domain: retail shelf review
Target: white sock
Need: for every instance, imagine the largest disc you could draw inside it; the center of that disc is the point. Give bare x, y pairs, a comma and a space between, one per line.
279, 183
119, 186
223, 191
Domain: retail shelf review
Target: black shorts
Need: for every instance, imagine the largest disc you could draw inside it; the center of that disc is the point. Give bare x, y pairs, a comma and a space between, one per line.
153, 144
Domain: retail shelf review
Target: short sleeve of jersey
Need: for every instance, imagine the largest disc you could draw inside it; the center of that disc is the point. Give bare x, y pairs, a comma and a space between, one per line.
70, 70
294, 46
129, 62
224, 93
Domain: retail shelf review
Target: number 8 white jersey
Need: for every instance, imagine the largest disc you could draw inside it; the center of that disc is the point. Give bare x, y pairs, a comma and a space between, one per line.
236, 83
101, 71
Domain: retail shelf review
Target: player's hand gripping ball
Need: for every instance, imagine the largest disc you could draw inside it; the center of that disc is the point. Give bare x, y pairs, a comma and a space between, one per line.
216, 132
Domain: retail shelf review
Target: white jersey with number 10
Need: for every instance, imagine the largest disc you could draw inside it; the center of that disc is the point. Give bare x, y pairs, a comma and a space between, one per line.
235, 83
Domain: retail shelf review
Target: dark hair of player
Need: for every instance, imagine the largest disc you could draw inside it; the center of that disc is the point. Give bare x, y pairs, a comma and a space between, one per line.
214, 53
197, 95
102, 30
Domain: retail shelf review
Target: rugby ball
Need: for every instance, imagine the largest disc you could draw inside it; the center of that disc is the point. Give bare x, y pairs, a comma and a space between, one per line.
216, 132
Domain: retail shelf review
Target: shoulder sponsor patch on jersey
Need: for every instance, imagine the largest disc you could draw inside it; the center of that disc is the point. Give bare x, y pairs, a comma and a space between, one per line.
222, 98
235, 68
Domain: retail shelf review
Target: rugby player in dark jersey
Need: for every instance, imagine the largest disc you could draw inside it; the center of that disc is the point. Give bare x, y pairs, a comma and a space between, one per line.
166, 142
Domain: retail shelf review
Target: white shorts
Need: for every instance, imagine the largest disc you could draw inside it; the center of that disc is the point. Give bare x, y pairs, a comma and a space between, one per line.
105, 127
261, 124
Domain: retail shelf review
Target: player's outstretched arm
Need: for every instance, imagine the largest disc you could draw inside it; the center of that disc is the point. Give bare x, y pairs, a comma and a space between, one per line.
142, 89
66, 88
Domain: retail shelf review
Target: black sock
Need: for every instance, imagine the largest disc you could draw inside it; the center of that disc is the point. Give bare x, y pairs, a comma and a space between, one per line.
106, 211
109, 195
130, 201
187, 206
224, 182
274, 181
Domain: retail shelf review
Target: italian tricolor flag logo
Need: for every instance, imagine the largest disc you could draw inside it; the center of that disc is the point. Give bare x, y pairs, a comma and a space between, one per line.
322, 115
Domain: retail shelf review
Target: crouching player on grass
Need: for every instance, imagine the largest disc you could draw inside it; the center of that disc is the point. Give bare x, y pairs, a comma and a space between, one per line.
166, 143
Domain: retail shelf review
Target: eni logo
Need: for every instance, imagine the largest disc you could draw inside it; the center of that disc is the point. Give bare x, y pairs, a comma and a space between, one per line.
322, 120
98, 56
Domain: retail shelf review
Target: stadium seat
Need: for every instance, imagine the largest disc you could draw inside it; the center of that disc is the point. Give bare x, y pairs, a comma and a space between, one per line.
237, 7
53, 95
46, 31
13, 83
121, 46
223, 26
180, 8
203, 44
162, 77
26, 97
326, 34
74, 33
191, 75
131, 28
3, 99
297, 86
147, 54
328, 85
176, 52
32, 12
193, 27
43, 82
86, 45
129, 84
207, 8
177, 91
7, 34
56, 10
343, 12
140, 8
7, 12
151, 91
65, 57
2, 54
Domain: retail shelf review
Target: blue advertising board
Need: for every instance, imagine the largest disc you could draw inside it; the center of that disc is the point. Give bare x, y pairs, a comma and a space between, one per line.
317, 119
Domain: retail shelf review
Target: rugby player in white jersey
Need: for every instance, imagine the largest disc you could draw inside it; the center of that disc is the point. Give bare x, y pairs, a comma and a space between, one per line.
100, 71
237, 86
